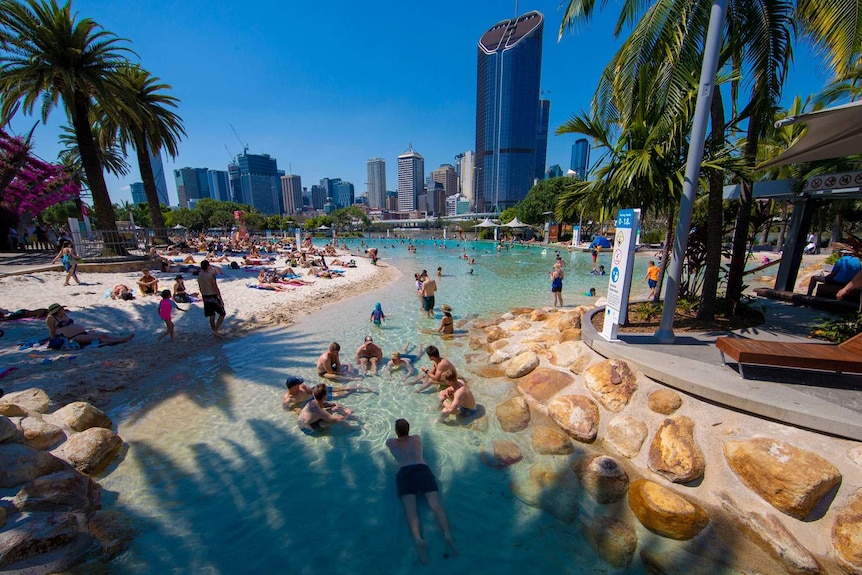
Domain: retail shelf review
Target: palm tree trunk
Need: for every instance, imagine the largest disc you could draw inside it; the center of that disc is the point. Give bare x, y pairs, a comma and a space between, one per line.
146, 168
95, 177
714, 217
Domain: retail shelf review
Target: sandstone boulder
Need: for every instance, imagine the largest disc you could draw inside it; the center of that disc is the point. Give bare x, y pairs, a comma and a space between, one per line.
80, 416
556, 490
577, 415
538, 315
564, 321
499, 344
488, 371
612, 383
543, 338
602, 477
479, 424
91, 450
664, 401
475, 342
32, 399
39, 434
518, 326
565, 353
665, 512
20, 464
543, 383
38, 533
485, 323
855, 455
503, 454
66, 490
674, 453
847, 533
625, 435
499, 356
522, 364
513, 414
549, 441
570, 335
494, 333
791, 479
12, 410
768, 533
579, 365
113, 531
8, 430
613, 540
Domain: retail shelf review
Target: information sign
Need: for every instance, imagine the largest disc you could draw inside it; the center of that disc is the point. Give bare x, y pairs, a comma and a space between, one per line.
622, 266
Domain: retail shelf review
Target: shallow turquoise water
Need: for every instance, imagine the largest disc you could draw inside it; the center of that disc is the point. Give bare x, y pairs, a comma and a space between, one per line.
218, 479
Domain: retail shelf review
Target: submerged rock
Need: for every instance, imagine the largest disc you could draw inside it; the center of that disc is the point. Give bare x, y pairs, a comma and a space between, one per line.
543, 383
674, 453
549, 441
602, 477
503, 454
577, 415
790, 479
555, 490
513, 414
112, 530
665, 512
615, 541
612, 383
625, 435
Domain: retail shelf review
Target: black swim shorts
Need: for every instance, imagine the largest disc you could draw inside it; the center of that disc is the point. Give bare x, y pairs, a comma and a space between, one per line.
428, 303
213, 306
415, 479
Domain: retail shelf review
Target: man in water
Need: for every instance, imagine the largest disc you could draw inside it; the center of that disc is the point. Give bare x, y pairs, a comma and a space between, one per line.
457, 398
429, 288
211, 295
435, 374
319, 413
369, 355
329, 364
414, 477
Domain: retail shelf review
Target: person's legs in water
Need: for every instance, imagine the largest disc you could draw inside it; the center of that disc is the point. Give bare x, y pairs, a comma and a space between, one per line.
409, 501
440, 513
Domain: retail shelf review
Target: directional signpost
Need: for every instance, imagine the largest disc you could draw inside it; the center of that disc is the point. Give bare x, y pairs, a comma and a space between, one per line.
622, 265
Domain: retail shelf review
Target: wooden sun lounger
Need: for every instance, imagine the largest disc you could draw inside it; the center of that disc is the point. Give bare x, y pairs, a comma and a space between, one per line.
845, 357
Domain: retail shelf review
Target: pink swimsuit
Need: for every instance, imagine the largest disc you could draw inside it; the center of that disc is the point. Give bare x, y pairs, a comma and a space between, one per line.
165, 309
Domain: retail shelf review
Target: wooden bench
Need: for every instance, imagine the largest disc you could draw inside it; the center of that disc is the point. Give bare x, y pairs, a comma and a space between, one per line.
845, 357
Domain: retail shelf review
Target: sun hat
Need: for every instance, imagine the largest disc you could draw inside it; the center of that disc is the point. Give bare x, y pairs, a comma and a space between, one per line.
293, 380
369, 338
445, 307
54, 308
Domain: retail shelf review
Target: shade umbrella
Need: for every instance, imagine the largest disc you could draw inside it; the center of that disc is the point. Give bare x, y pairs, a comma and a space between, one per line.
516, 223
600, 242
486, 223
323, 227
179, 227
832, 133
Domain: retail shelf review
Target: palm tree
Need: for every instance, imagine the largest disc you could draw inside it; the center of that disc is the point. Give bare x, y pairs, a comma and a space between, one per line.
49, 55
147, 124
112, 158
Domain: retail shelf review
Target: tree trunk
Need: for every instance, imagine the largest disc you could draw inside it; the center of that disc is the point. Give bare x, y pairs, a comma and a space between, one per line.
146, 169
665, 252
95, 177
714, 217
836, 227
739, 255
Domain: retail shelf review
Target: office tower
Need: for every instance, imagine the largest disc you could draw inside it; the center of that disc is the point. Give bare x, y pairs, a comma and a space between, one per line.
192, 185
318, 196
554, 171
467, 178
159, 177
391, 200
139, 196
219, 183
447, 176
254, 180
411, 170
376, 182
291, 191
343, 194
507, 110
542, 138
581, 157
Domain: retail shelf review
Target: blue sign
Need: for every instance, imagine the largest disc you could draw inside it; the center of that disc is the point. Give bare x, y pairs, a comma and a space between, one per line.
626, 218
615, 274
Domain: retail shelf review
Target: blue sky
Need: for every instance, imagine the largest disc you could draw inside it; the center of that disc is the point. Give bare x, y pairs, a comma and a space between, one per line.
324, 86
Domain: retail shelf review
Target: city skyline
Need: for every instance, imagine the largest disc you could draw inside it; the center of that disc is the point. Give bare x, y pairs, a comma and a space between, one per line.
322, 109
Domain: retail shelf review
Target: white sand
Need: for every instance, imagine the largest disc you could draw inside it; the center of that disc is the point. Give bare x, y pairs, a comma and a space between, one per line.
100, 374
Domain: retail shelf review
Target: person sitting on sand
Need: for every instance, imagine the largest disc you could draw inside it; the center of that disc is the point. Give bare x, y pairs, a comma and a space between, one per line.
122, 291
414, 478
457, 397
369, 355
319, 413
148, 283
180, 293
329, 365
435, 374
59, 322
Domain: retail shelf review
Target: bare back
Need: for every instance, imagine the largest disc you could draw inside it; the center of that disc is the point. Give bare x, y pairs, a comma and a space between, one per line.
406, 450
207, 283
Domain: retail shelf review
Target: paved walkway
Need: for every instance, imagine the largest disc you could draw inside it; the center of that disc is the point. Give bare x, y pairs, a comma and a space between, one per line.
824, 402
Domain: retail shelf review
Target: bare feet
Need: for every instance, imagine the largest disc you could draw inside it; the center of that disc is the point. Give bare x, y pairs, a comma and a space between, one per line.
451, 550
421, 551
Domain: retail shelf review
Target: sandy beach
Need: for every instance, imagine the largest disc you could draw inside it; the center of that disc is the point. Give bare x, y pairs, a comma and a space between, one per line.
104, 375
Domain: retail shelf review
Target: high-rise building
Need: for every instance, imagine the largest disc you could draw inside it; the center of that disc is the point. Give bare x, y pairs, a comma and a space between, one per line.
542, 138
159, 177
581, 157
467, 176
411, 170
192, 185
318, 196
376, 183
343, 194
554, 171
139, 196
254, 180
507, 110
291, 191
447, 177
219, 182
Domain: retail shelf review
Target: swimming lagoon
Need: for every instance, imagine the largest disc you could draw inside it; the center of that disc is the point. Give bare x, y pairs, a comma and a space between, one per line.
217, 478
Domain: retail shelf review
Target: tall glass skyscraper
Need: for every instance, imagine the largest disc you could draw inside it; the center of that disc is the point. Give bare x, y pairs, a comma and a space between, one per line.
376, 183
192, 184
581, 157
542, 138
291, 191
159, 177
411, 176
255, 180
507, 110
219, 185
139, 196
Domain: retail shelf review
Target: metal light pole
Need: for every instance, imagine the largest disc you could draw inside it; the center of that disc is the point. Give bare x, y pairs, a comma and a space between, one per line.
711, 51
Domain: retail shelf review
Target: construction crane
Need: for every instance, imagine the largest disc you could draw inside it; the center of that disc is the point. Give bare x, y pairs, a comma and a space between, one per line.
228, 153
244, 146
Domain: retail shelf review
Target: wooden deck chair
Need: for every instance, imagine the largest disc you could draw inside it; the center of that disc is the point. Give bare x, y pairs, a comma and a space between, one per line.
845, 357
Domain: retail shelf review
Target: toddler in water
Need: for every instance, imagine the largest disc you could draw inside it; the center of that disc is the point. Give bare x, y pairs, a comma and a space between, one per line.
165, 312
377, 315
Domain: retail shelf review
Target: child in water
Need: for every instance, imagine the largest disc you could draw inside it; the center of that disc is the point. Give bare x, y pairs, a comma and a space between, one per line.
165, 312
590, 292
377, 315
